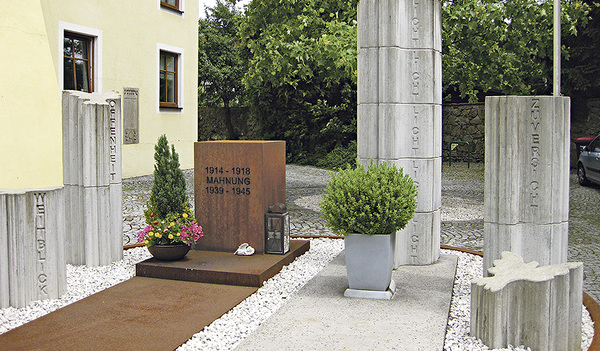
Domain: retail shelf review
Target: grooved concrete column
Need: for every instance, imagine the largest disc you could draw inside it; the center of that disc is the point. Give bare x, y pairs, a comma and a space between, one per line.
523, 304
32, 260
400, 111
92, 177
527, 178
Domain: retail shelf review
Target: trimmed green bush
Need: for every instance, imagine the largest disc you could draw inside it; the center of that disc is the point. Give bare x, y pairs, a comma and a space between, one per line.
378, 200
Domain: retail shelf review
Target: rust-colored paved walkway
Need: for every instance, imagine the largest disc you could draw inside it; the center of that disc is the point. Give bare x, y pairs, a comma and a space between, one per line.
138, 314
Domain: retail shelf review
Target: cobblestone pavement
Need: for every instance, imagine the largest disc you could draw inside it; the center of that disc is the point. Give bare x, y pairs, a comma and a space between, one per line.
462, 211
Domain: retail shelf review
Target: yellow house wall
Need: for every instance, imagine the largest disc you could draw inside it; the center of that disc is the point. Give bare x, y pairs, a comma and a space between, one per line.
130, 34
30, 108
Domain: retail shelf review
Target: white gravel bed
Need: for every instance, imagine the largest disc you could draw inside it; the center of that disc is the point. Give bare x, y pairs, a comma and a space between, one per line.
233, 327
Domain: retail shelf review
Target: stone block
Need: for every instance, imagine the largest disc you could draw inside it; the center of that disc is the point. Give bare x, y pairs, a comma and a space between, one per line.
32, 257
367, 79
368, 124
419, 242
424, 123
544, 243
523, 304
235, 182
409, 76
410, 24
526, 172
368, 27
92, 177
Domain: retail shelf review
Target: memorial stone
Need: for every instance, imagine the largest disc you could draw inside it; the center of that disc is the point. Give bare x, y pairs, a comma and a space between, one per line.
526, 203
400, 109
235, 183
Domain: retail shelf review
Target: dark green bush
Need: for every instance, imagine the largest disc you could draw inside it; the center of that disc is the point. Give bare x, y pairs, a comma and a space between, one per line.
379, 200
339, 157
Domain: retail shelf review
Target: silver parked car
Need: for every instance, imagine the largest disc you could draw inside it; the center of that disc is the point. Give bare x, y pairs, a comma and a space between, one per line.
588, 165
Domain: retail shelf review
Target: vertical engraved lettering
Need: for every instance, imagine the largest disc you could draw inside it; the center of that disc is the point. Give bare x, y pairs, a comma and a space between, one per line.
40, 233
113, 141
534, 155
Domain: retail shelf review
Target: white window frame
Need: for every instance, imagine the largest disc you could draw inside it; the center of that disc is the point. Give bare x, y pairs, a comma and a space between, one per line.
180, 78
179, 13
96, 35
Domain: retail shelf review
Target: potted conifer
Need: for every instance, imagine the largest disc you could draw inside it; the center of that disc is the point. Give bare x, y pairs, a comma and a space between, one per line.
171, 227
368, 206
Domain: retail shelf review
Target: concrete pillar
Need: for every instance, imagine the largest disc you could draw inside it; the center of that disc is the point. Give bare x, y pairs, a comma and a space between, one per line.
92, 178
400, 111
32, 260
527, 178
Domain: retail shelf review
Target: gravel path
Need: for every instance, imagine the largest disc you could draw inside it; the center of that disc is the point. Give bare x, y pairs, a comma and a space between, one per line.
462, 218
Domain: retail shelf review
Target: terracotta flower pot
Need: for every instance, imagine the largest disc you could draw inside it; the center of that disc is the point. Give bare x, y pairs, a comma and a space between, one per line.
169, 252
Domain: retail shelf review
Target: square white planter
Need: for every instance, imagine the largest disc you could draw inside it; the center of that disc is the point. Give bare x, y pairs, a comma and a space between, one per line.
369, 264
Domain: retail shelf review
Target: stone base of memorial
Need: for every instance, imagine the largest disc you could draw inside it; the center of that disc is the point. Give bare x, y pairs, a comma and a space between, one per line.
216, 267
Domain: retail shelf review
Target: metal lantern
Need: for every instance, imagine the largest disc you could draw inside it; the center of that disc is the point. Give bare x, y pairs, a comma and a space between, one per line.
277, 230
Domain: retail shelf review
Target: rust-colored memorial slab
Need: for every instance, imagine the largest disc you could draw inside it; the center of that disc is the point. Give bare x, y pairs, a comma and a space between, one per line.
222, 267
235, 182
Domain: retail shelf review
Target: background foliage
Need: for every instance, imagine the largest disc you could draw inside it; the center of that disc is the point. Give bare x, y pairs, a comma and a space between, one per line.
293, 63
502, 47
301, 78
220, 66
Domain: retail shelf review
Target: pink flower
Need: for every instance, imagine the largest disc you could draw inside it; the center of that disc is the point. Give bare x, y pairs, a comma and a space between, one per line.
142, 233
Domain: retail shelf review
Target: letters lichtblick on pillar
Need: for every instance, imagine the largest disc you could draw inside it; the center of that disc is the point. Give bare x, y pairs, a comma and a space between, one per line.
400, 111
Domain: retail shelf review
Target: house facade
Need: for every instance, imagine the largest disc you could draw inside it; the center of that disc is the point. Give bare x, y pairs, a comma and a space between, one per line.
145, 51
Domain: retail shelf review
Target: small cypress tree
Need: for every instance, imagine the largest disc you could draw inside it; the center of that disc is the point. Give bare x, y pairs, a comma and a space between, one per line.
168, 190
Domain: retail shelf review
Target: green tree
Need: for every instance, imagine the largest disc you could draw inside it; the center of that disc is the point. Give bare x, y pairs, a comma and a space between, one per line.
301, 77
502, 46
220, 67
168, 190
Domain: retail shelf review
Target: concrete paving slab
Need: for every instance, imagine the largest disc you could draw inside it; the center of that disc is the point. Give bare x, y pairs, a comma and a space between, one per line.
319, 317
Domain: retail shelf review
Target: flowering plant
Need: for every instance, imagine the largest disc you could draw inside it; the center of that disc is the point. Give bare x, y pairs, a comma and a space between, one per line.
168, 215
174, 228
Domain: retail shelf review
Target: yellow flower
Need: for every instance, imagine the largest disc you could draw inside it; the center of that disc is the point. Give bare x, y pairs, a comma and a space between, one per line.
151, 234
159, 235
170, 236
146, 241
178, 234
172, 224
185, 215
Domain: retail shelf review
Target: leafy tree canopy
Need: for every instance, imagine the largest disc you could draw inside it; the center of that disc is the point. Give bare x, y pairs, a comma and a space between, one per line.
301, 75
502, 46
